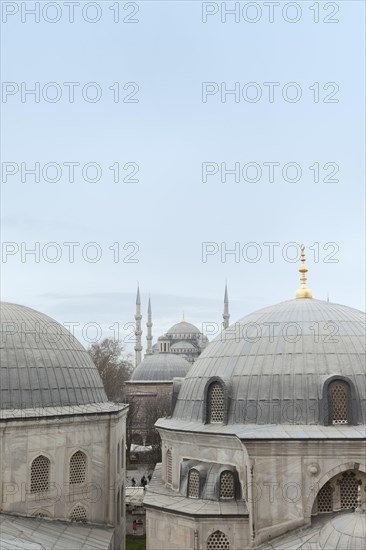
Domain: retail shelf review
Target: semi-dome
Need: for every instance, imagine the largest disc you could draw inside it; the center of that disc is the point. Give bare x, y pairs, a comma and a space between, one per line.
160, 367
344, 532
275, 364
42, 364
183, 345
183, 328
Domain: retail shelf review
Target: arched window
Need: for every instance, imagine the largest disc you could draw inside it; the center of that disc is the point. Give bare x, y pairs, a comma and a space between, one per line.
169, 467
339, 402
118, 459
325, 498
77, 468
218, 541
40, 474
349, 490
122, 454
121, 497
193, 484
227, 486
215, 403
78, 514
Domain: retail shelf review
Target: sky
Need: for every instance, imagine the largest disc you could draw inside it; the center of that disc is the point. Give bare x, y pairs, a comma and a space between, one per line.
162, 136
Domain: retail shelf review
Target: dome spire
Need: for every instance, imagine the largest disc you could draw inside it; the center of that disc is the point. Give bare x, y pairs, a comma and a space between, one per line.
303, 291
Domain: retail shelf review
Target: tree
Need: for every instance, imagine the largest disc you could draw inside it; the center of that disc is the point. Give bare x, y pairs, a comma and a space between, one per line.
113, 364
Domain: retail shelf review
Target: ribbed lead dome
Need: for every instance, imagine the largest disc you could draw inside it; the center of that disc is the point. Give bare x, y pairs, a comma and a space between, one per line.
160, 367
42, 364
274, 364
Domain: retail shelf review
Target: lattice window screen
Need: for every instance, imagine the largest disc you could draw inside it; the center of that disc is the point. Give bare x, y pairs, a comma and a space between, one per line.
193, 484
78, 468
349, 490
169, 467
218, 541
40, 474
339, 395
325, 498
78, 514
215, 403
227, 489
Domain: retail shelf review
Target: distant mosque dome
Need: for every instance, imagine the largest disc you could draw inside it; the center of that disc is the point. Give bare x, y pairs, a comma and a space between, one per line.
183, 328
344, 532
275, 363
42, 364
160, 367
183, 345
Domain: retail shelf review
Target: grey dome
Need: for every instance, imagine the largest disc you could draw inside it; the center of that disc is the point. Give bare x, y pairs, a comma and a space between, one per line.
183, 328
161, 367
274, 364
344, 532
42, 364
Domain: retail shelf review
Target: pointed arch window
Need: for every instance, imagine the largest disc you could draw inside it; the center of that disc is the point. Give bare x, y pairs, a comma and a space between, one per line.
218, 541
77, 468
339, 402
78, 514
193, 484
40, 474
227, 486
215, 403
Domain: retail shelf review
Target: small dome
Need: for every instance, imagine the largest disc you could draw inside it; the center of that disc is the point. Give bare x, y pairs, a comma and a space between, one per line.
275, 361
183, 345
183, 328
161, 367
42, 364
344, 532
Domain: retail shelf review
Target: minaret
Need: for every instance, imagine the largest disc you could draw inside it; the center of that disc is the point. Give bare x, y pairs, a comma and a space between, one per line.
149, 333
303, 291
226, 314
138, 331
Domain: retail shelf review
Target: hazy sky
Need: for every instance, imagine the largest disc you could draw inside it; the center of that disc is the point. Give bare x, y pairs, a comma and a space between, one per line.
155, 121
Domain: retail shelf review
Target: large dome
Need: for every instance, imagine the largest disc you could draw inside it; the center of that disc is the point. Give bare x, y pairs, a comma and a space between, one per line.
183, 328
274, 363
160, 367
42, 364
344, 532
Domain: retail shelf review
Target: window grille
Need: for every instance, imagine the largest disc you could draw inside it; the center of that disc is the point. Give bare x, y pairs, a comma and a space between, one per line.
40, 474
349, 490
339, 400
77, 468
325, 498
193, 484
169, 467
78, 514
227, 488
215, 403
218, 541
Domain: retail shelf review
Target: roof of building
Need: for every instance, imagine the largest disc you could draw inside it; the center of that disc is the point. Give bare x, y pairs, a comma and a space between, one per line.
20, 533
161, 367
42, 364
182, 345
274, 363
183, 328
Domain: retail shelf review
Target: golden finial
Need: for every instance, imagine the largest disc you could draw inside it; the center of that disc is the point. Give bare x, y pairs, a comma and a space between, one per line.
303, 292
183, 319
